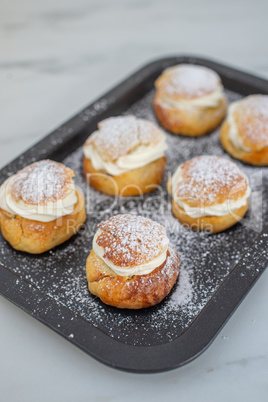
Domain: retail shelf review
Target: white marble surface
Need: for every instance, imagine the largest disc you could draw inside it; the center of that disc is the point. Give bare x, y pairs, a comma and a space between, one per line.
56, 57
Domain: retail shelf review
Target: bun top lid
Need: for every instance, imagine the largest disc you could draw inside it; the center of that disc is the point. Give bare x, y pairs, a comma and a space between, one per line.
41, 182
209, 180
251, 119
130, 241
187, 81
119, 136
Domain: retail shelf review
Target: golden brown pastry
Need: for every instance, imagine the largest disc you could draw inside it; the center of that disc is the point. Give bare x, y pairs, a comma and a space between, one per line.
244, 133
40, 207
209, 193
132, 264
189, 100
125, 157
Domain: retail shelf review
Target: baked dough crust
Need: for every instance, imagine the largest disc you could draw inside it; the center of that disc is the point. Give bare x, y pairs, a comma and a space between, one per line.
257, 158
135, 182
37, 237
131, 292
213, 224
192, 123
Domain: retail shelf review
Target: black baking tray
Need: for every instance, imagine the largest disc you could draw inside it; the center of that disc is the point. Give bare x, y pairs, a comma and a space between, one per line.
217, 271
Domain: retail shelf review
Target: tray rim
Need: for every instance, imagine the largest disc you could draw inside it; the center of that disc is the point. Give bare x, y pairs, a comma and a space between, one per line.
145, 361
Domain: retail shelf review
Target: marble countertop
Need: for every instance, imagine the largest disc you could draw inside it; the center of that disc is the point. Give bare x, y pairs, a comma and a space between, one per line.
55, 58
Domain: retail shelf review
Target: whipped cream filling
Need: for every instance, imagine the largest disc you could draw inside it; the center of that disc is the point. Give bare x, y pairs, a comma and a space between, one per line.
210, 100
233, 132
41, 213
141, 156
222, 209
143, 269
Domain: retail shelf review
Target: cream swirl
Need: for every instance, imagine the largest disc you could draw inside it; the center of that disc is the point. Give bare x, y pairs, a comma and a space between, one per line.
143, 269
211, 100
222, 209
39, 212
140, 156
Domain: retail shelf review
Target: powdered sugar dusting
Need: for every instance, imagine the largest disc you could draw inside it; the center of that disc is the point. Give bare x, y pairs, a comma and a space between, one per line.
168, 268
190, 80
168, 271
205, 259
117, 136
211, 179
131, 240
42, 182
184, 293
253, 120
